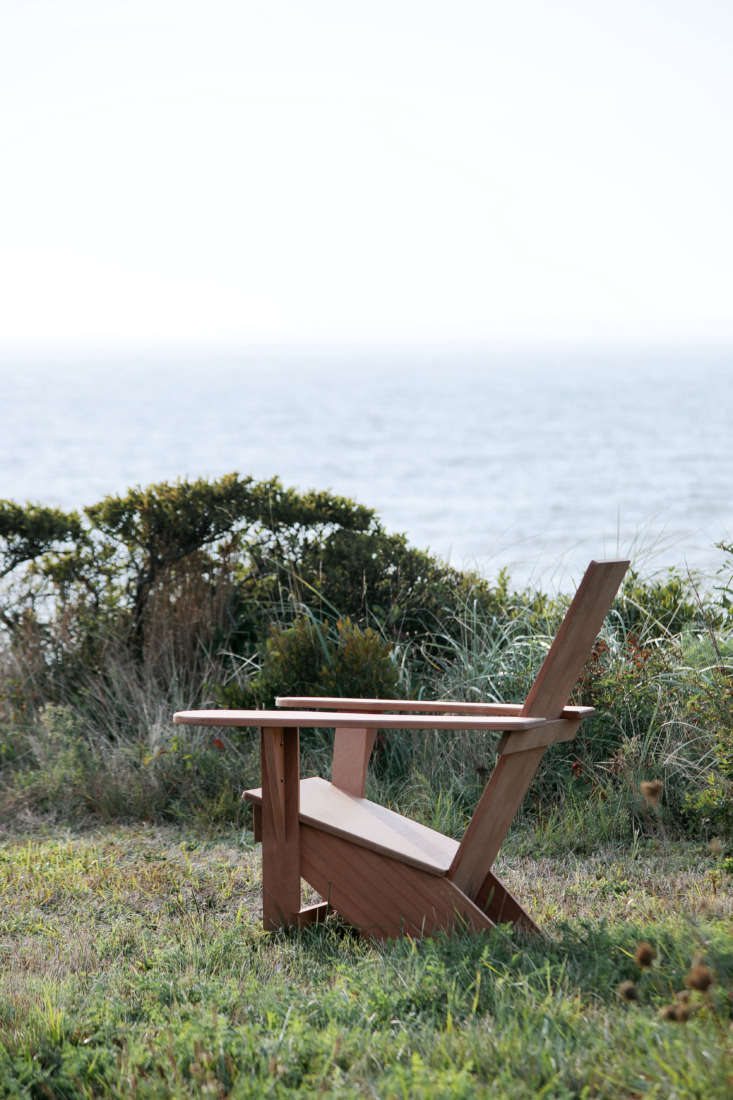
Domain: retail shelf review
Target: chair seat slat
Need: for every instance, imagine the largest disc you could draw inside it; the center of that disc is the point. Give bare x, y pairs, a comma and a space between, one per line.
352, 720
369, 825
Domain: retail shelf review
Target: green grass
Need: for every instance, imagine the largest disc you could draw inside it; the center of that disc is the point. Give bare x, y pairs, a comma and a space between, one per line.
134, 964
132, 958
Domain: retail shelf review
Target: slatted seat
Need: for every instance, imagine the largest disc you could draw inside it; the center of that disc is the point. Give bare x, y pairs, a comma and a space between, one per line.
368, 825
385, 873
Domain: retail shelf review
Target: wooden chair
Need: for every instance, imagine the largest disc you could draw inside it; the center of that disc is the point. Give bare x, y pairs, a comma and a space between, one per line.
384, 873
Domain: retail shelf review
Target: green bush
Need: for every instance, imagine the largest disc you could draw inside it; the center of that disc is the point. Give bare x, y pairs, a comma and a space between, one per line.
311, 658
72, 770
656, 605
710, 704
167, 571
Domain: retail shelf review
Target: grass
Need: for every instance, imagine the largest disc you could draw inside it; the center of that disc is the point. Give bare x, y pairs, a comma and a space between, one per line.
132, 958
134, 964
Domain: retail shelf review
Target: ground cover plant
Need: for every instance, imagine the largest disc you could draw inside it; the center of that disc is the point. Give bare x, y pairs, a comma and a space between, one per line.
134, 965
133, 962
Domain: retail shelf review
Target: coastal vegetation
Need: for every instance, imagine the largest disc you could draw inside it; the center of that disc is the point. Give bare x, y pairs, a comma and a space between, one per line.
232, 591
134, 963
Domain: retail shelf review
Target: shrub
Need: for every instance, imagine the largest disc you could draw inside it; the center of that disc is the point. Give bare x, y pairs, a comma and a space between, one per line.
659, 606
312, 658
171, 570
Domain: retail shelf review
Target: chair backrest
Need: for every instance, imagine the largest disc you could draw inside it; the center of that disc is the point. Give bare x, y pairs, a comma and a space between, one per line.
548, 695
553, 684
572, 645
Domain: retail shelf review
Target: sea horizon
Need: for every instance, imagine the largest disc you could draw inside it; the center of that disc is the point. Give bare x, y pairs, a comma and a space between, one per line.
533, 461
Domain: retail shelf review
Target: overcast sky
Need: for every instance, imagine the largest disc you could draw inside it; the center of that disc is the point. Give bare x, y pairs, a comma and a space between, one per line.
302, 171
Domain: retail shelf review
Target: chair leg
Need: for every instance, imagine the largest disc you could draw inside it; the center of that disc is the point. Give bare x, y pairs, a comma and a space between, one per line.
501, 906
257, 822
494, 814
280, 828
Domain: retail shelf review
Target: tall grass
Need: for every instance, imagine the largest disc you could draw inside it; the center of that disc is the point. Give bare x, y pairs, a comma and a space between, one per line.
662, 701
97, 741
110, 750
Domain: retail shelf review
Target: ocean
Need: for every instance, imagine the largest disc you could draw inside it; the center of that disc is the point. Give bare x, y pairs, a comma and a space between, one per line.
534, 461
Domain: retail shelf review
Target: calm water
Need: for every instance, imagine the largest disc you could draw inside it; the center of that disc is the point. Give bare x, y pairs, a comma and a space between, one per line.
535, 462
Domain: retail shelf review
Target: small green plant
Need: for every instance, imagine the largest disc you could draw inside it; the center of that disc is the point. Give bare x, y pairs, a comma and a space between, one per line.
318, 658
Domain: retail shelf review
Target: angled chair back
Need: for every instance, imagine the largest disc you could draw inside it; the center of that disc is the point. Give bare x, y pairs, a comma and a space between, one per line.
549, 694
574, 640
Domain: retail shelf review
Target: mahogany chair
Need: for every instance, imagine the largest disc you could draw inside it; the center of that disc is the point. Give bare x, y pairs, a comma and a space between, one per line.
384, 873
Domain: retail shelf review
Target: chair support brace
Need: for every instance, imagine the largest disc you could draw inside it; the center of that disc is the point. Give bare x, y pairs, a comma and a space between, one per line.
351, 752
561, 729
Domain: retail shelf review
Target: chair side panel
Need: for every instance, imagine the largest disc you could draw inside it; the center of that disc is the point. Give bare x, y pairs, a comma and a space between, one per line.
382, 897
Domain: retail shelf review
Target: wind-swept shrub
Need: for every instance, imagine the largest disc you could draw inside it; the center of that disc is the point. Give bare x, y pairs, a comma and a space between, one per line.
165, 571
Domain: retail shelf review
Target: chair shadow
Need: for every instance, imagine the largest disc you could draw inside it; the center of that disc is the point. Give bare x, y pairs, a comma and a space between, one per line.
586, 957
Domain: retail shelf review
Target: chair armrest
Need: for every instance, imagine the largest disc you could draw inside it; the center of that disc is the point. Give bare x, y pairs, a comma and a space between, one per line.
267, 719
415, 706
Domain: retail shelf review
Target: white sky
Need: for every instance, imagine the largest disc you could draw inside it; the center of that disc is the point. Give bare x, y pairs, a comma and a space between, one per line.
306, 171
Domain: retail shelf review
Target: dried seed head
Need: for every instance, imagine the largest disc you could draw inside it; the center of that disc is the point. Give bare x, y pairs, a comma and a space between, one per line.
700, 978
627, 991
682, 1013
715, 846
683, 996
652, 790
669, 1012
644, 955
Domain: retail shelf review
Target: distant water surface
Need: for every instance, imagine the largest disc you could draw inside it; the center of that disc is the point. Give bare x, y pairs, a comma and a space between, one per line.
534, 462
